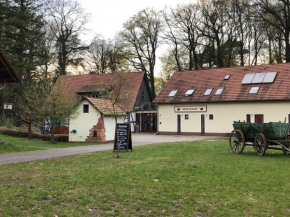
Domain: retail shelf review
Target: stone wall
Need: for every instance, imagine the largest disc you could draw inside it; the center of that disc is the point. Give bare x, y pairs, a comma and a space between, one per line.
101, 132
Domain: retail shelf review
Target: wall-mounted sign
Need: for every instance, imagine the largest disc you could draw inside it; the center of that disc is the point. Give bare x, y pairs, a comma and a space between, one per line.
8, 106
190, 109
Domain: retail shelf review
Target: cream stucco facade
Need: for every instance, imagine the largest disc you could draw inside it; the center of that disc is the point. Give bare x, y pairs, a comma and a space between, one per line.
81, 123
223, 114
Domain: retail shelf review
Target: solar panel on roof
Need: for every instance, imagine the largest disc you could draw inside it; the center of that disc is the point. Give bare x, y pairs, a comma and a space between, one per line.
258, 78
248, 78
270, 77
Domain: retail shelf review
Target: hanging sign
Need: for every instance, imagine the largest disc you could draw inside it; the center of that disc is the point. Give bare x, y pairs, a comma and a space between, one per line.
8, 106
123, 139
190, 109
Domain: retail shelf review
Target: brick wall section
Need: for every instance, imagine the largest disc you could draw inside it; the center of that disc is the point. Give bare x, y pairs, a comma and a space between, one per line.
101, 132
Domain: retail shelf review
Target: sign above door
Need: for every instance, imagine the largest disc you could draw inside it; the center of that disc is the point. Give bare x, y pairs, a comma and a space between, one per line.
179, 109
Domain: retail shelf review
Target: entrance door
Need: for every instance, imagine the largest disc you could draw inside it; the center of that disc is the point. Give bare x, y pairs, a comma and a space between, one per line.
149, 122
202, 125
178, 124
259, 118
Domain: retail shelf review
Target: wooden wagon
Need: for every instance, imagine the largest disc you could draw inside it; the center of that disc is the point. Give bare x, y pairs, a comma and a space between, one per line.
262, 136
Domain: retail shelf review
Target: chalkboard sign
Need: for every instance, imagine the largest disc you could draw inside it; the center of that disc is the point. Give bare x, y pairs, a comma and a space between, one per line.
123, 138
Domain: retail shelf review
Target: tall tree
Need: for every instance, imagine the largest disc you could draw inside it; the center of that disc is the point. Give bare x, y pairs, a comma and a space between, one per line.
141, 36
277, 14
67, 21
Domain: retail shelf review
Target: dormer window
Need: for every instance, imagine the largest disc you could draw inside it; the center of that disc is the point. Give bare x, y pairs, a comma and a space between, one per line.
172, 92
254, 90
219, 91
189, 92
208, 91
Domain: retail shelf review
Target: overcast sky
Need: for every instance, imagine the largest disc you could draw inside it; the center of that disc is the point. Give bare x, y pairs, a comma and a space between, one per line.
108, 16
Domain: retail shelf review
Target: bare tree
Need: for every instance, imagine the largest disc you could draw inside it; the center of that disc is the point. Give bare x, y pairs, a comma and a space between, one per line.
67, 21
141, 36
277, 14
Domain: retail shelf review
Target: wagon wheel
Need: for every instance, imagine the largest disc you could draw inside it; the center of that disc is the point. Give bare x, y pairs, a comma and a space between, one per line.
237, 141
287, 144
260, 144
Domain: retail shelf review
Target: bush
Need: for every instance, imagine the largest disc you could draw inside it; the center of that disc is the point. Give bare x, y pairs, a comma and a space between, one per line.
23, 133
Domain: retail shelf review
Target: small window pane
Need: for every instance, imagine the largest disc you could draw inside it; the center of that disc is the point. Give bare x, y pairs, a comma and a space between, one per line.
189, 92
248, 78
208, 92
219, 91
269, 78
254, 90
172, 93
86, 109
210, 117
258, 79
227, 77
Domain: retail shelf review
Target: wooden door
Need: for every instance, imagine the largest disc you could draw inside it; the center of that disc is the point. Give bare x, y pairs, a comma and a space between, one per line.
259, 118
178, 124
202, 124
149, 122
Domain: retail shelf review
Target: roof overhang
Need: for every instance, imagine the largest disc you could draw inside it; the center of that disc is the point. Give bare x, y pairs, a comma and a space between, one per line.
7, 73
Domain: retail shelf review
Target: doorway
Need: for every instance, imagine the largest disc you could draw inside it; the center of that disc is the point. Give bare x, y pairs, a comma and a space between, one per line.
202, 124
149, 122
259, 118
178, 124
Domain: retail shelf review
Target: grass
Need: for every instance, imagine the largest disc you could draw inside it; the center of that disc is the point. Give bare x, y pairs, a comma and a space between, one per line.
181, 179
17, 144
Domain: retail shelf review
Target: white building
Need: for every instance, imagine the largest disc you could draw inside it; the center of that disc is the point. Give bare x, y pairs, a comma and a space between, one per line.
133, 101
206, 102
95, 121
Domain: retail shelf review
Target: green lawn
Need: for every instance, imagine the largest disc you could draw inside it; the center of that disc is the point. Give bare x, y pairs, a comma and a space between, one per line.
17, 144
181, 179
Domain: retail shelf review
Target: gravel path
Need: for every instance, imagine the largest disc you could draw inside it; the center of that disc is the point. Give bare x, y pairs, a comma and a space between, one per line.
138, 139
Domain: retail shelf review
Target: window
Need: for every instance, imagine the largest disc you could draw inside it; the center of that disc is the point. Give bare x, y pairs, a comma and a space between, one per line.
86, 108
172, 93
208, 92
227, 77
186, 116
219, 91
248, 118
254, 90
189, 92
211, 117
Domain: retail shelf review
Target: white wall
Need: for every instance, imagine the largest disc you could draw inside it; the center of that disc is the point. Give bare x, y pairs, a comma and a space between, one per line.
110, 126
83, 122
224, 115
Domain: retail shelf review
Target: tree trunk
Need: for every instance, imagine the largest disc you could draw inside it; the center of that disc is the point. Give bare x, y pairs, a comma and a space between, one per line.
52, 132
29, 129
287, 43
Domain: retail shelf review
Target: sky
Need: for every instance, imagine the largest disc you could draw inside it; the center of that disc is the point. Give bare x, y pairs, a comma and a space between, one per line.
108, 16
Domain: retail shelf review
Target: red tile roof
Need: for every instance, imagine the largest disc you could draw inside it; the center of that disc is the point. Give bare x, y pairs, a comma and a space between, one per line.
105, 106
7, 72
131, 84
233, 89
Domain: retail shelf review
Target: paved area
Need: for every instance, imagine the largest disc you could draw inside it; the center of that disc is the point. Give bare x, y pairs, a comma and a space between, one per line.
137, 139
